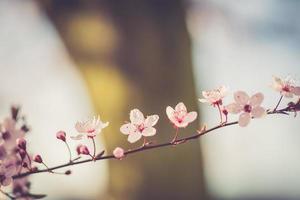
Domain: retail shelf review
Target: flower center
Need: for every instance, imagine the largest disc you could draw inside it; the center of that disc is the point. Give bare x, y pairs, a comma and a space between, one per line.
247, 108
6, 135
141, 127
286, 88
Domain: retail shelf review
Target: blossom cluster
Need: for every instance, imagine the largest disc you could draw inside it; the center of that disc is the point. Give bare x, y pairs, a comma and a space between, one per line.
14, 158
16, 162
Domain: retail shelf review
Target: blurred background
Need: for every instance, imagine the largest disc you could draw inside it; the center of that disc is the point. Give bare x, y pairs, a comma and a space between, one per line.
65, 60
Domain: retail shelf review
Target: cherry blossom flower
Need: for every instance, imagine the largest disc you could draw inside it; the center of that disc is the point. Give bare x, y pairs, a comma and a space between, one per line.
10, 133
215, 96
179, 116
90, 127
139, 126
7, 170
249, 106
21, 186
118, 153
286, 87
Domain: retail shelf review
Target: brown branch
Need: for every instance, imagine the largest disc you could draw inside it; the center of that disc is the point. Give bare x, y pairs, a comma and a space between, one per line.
149, 146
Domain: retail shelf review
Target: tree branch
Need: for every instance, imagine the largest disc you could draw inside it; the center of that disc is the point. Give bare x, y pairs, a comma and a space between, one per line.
150, 146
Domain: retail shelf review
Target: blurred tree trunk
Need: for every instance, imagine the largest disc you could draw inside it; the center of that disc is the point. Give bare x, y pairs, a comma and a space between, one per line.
137, 54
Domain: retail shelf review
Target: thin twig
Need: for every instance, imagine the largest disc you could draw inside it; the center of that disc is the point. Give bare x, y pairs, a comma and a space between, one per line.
147, 147
8, 195
278, 103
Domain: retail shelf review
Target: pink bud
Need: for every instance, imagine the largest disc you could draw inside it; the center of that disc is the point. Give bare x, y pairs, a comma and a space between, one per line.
21, 143
38, 159
82, 149
61, 135
119, 153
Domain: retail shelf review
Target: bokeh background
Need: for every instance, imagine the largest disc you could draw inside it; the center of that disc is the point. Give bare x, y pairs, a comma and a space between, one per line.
65, 60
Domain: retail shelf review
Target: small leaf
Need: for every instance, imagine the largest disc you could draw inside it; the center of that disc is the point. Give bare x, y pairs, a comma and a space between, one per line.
35, 196
100, 154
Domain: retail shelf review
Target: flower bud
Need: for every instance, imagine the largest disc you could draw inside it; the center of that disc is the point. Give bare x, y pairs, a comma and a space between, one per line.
68, 172
14, 112
21, 143
38, 159
82, 149
119, 153
61, 135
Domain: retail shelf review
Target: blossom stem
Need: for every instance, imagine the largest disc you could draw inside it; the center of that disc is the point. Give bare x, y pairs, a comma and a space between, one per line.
148, 147
70, 154
29, 160
220, 113
176, 136
49, 170
145, 142
94, 146
278, 103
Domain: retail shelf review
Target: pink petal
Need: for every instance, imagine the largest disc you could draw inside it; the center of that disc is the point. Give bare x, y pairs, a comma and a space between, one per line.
170, 112
127, 129
135, 136
244, 119
79, 127
296, 90
190, 117
136, 117
241, 97
277, 83
287, 94
256, 99
151, 120
77, 137
149, 131
180, 107
203, 100
258, 112
234, 108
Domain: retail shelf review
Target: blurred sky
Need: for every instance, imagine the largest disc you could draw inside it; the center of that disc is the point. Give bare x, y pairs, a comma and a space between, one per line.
242, 44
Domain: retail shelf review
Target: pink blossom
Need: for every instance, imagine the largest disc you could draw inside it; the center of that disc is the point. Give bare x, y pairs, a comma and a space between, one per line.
61, 135
10, 133
215, 96
119, 153
249, 106
90, 128
139, 126
286, 87
7, 170
179, 116
21, 186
